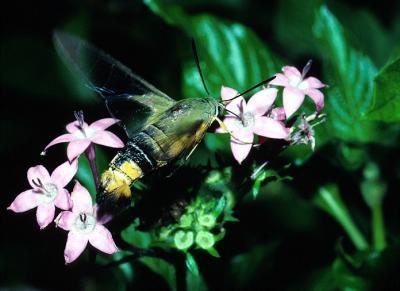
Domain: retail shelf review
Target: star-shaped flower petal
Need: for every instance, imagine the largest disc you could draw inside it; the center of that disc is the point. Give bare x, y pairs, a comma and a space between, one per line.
47, 192
83, 226
80, 135
296, 87
246, 119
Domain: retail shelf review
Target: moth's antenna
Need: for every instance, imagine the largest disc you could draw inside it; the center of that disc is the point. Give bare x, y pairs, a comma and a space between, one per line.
252, 88
196, 58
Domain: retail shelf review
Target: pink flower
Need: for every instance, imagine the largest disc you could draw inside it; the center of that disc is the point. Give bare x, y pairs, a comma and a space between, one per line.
81, 135
83, 226
296, 87
47, 192
246, 119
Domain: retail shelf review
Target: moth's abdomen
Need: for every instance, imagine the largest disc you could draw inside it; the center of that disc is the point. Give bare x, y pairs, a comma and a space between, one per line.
128, 165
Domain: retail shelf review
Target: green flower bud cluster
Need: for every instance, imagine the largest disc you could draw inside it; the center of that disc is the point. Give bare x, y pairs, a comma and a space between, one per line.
199, 226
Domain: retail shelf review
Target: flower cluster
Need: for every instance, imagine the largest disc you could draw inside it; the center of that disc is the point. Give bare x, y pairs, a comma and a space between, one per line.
259, 117
200, 225
48, 190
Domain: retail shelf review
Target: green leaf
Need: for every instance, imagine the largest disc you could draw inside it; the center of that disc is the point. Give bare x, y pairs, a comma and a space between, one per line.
293, 26
136, 238
350, 76
195, 282
213, 252
244, 267
329, 199
365, 30
260, 178
162, 268
192, 265
230, 53
84, 175
386, 105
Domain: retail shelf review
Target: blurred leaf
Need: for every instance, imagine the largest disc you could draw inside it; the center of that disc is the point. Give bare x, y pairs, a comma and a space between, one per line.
337, 277
351, 157
136, 238
76, 25
293, 25
195, 282
350, 76
125, 268
163, 268
213, 252
329, 199
191, 264
365, 31
345, 278
386, 106
244, 267
231, 54
84, 175
260, 178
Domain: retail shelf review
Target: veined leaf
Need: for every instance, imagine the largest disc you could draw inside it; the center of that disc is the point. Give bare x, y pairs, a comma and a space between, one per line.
230, 53
350, 75
386, 106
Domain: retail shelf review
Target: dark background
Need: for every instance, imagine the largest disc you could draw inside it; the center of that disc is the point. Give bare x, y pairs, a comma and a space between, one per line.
36, 103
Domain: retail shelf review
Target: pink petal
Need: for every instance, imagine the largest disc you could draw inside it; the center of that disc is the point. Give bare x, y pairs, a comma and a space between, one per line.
107, 138
314, 83
25, 201
240, 151
228, 93
74, 126
220, 130
38, 172
82, 201
45, 214
241, 144
65, 220
231, 122
62, 138
64, 173
104, 123
291, 72
292, 100
236, 106
268, 127
317, 96
77, 147
63, 199
280, 80
262, 101
76, 244
101, 239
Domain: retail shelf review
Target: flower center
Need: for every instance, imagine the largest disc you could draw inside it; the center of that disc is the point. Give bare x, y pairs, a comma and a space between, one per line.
247, 120
84, 131
294, 81
85, 222
48, 191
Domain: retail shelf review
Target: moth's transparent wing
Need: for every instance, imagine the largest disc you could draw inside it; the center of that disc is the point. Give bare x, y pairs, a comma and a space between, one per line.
128, 97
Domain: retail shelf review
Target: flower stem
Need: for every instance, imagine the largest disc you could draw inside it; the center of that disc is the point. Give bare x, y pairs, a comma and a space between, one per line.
91, 156
378, 227
329, 199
